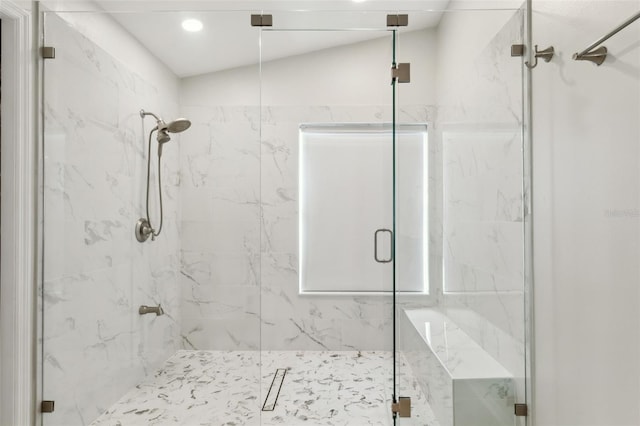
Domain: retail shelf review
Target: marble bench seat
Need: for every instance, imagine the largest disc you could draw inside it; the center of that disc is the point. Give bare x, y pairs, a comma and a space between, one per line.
464, 385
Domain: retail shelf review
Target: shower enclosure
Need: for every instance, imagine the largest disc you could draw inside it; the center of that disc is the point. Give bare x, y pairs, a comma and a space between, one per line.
344, 225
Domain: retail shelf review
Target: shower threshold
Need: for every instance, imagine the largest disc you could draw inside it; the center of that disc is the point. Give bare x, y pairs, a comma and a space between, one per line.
228, 388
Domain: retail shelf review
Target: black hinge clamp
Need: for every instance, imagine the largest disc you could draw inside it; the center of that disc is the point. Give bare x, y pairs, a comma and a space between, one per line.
47, 406
48, 52
261, 20
521, 410
397, 20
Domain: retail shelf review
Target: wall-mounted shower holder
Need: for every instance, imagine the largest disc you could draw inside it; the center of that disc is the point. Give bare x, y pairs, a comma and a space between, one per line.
545, 54
597, 56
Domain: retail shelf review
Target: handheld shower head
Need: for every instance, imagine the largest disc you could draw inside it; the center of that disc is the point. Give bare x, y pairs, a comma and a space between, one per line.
176, 126
144, 229
163, 136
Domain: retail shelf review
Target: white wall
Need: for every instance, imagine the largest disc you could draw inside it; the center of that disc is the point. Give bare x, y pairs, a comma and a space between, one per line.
366, 64
586, 217
110, 36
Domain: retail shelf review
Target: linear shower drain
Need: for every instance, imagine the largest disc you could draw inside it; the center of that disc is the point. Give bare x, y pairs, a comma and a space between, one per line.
274, 390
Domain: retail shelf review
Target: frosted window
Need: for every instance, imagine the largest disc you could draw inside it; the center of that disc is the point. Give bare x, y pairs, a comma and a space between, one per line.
346, 190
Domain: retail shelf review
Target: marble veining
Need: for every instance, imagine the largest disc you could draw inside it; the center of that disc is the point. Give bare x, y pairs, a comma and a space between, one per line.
240, 233
459, 354
483, 217
236, 183
229, 387
95, 344
463, 384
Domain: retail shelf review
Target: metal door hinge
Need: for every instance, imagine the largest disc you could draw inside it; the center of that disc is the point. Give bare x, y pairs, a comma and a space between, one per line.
401, 73
261, 20
521, 410
402, 407
47, 406
397, 20
48, 52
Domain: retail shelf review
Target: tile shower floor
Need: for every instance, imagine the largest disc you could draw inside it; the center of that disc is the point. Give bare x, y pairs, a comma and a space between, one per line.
222, 388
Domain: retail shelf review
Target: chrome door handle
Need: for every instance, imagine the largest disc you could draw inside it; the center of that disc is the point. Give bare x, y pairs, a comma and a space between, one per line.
375, 245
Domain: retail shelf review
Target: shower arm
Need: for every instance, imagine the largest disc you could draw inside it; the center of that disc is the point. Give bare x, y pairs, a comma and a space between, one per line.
161, 125
144, 113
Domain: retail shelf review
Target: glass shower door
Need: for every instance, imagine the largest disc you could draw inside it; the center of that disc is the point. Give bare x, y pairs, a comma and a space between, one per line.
96, 346
104, 360
327, 269
461, 342
332, 224
87, 247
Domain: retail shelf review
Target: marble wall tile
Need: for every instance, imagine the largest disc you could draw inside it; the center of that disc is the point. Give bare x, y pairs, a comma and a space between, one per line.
220, 228
95, 344
479, 122
494, 323
294, 321
432, 378
462, 383
487, 402
239, 192
231, 193
227, 333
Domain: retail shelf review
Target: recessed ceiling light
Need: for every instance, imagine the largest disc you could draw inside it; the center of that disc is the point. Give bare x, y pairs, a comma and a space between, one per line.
359, 1
192, 25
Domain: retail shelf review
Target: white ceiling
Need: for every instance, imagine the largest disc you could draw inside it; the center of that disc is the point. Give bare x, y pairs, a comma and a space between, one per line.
228, 40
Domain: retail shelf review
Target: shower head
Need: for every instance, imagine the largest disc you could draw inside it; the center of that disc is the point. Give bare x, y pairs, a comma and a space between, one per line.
178, 125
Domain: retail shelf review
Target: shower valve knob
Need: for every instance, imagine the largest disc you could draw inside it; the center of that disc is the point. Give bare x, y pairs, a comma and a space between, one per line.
143, 230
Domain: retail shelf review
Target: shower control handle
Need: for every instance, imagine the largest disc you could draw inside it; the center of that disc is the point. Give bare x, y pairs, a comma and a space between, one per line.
144, 230
151, 310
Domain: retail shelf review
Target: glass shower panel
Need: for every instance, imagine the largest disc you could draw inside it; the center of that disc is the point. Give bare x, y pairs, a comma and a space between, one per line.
326, 194
89, 192
278, 261
105, 361
461, 350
